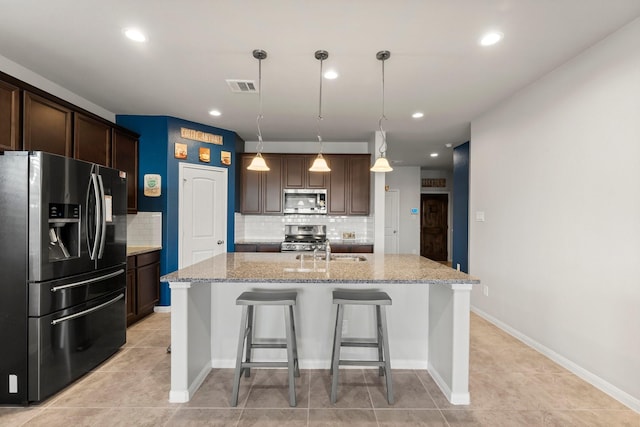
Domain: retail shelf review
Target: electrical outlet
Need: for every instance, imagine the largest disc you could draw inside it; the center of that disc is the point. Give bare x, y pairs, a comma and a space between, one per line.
345, 327
458, 267
485, 290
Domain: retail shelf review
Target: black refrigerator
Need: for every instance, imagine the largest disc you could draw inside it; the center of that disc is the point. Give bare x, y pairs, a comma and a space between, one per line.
63, 245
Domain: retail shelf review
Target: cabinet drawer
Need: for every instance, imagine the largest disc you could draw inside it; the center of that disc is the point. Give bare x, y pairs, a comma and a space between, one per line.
148, 258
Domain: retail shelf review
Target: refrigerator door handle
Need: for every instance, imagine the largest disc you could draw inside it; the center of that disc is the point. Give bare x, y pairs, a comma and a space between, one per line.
85, 312
98, 206
103, 221
86, 282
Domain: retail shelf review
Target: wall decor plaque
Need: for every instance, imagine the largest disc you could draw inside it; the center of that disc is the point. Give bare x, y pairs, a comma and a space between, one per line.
180, 151
197, 135
225, 158
204, 154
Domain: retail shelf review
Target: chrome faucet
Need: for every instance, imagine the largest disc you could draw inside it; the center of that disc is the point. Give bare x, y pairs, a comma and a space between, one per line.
327, 249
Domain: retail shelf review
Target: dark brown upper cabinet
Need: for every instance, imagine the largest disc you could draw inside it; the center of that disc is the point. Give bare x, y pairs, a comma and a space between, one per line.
296, 172
9, 116
261, 192
46, 125
349, 182
124, 156
92, 140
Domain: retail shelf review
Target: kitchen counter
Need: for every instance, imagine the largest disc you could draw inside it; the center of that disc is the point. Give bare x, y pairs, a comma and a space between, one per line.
428, 320
137, 250
249, 267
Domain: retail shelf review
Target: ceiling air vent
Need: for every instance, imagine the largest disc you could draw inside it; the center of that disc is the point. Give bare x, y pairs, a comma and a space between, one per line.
242, 86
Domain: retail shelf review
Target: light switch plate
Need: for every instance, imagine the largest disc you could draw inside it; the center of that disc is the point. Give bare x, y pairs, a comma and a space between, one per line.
479, 216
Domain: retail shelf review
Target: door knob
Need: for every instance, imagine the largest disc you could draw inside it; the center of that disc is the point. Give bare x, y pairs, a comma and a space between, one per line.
220, 242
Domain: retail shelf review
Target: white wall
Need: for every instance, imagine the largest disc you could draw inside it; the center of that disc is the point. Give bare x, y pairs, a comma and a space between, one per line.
19, 72
407, 180
556, 170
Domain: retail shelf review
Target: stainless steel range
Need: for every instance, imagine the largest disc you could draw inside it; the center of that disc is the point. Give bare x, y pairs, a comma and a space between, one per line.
304, 238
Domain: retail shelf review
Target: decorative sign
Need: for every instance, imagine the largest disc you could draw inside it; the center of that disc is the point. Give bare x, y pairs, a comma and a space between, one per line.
204, 154
152, 185
197, 135
225, 158
180, 151
434, 182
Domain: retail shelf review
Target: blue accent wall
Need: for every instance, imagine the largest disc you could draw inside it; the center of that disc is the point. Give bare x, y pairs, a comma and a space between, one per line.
461, 207
158, 135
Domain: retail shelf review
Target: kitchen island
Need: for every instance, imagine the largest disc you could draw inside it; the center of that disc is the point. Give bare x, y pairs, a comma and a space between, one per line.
428, 322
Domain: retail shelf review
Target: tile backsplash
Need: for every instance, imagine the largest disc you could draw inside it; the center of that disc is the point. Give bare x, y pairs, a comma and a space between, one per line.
267, 228
144, 229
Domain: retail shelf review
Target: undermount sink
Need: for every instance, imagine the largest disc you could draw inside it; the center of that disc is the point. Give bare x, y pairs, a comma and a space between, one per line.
323, 257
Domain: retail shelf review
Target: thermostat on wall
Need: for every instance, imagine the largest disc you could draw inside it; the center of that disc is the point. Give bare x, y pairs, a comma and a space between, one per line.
414, 211
152, 185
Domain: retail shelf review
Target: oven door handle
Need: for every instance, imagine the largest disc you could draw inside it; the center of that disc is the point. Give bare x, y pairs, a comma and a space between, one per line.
86, 282
85, 312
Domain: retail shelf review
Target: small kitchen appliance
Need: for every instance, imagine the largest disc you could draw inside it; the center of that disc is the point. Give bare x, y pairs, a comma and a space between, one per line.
305, 201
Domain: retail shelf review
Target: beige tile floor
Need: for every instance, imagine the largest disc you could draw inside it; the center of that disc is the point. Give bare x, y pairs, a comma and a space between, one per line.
510, 384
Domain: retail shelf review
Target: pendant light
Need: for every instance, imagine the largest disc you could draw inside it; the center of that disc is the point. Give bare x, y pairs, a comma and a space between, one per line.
320, 164
258, 163
382, 164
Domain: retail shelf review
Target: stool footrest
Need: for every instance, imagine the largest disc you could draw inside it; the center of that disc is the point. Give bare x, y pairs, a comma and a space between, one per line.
361, 363
264, 365
358, 344
265, 345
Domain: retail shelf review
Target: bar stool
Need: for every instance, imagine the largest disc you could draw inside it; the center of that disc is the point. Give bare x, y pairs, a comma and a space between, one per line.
248, 300
356, 297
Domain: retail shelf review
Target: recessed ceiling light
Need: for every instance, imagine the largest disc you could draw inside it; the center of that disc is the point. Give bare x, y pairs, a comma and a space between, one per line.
491, 38
448, 145
135, 35
434, 154
215, 113
417, 115
330, 75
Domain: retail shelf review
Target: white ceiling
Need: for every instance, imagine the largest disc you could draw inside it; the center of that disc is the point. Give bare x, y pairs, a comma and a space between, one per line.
436, 65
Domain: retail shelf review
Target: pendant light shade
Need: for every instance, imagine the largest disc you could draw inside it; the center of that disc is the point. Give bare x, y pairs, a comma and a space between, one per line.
320, 164
258, 163
382, 164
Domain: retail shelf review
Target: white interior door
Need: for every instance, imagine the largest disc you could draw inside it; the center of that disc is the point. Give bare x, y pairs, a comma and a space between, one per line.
202, 213
391, 221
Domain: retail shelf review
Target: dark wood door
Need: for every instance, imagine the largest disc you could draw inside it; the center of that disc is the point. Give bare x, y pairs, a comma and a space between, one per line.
9, 116
434, 226
294, 171
124, 156
337, 185
47, 126
250, 187
92, 141
359, 175
272, 184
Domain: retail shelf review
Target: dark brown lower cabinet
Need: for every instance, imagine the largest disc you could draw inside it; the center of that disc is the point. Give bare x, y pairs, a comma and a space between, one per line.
143, 285
351, 248
257, 247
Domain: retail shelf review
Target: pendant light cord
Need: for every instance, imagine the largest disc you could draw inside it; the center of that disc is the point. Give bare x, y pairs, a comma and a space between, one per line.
320, 106
260, 143
383, 147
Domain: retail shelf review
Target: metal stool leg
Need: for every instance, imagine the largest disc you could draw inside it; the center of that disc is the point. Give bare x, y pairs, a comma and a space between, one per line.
248, 349
379, 340
333, 346
238, 370
295, 342
336, 353
387, 358
288, 320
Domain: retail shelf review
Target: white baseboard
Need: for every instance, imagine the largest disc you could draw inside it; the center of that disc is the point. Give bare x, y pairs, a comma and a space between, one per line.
162, 309
599, 383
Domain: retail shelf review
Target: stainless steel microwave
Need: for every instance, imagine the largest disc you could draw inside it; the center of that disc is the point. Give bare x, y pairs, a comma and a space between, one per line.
305, 201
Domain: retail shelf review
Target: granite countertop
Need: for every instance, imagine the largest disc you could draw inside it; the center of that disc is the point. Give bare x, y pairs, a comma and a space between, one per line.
137, 250
333, 242
243, 267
